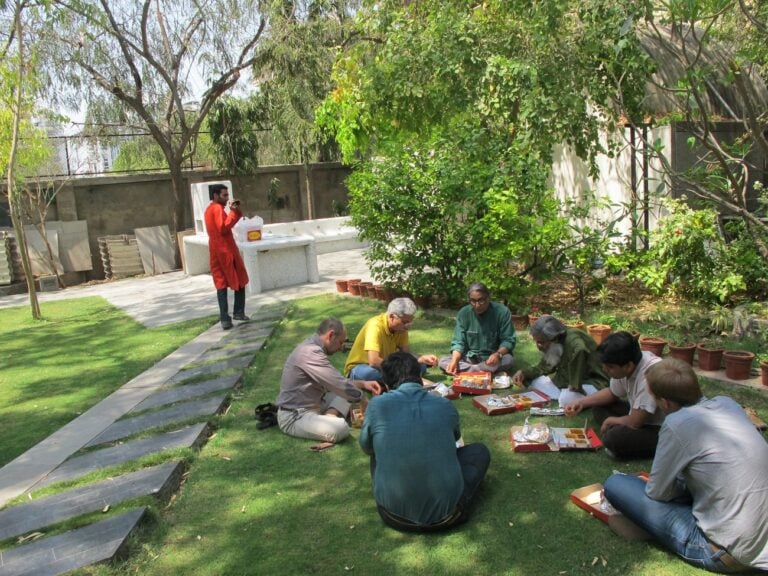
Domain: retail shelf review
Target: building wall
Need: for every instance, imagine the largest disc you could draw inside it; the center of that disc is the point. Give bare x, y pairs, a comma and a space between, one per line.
118, 204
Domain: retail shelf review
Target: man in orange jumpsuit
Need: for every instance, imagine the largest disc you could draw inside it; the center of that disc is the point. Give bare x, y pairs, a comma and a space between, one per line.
227, 266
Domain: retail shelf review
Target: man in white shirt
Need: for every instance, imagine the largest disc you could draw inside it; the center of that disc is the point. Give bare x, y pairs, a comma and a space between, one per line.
628, 428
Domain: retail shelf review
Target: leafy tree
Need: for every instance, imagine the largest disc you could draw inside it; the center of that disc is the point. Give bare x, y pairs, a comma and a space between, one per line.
478, 95
137, 63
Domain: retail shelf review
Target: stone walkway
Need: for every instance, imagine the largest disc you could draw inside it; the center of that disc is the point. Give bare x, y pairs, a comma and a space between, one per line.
166, 407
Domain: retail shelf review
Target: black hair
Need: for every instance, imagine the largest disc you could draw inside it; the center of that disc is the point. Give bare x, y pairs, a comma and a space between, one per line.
400, 367
620, 348
330, 324
215, 189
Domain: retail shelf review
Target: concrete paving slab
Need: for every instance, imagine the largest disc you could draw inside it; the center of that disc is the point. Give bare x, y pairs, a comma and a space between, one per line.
158, 481
233, 351
176, 413
93, 544
79, 466
25, 471
238, 363
187, 392
236, 335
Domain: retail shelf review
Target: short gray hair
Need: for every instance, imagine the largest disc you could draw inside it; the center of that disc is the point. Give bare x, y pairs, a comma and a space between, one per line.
549, 327
478, 287
330, 324
402, 307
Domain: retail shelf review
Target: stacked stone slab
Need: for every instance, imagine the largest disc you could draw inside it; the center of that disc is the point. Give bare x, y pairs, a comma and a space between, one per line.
175, 416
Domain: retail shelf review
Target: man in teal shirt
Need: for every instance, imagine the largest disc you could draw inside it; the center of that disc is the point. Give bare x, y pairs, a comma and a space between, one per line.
421, 481
484, 337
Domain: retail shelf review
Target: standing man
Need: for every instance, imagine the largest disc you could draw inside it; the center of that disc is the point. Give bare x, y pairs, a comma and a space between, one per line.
421, 481
628, 428
314, 397
381, 336
484, 337
706, 499
227, 266
569, 367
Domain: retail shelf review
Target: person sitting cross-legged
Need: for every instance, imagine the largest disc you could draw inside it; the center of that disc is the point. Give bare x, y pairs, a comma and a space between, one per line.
628, 428
569, 367
314, 397
421, 481
706, 498
484, 337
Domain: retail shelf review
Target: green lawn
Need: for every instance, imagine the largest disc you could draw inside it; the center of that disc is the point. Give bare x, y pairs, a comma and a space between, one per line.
259, 502
55, 369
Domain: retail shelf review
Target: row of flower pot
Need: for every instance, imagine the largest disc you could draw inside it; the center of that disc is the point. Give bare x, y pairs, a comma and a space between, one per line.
356, 287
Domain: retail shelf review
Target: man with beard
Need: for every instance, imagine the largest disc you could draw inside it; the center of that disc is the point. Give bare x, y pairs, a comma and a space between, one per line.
569, 368
628, 428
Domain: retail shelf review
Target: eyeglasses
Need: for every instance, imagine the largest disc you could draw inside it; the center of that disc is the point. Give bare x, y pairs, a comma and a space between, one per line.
405, 320
482, 300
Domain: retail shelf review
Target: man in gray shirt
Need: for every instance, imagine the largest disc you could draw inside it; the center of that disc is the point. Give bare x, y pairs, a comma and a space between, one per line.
707, 495
314, 397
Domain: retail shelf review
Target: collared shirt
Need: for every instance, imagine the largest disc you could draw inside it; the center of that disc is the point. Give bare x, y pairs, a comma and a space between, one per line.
308, 375
635, 389
578, 365
483, 334
413, 436
375, 335
714, 452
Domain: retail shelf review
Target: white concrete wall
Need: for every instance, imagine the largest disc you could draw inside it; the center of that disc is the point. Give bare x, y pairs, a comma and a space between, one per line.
570, 176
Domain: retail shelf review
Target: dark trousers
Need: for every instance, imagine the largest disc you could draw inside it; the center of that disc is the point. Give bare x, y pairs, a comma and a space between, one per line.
474, 460
221, 296
623, 441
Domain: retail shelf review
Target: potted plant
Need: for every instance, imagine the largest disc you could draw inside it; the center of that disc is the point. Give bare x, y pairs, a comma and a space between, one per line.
681, 348
342, 286
601, 328
653, 344
763, 360
573, 320
710, 353
738, 364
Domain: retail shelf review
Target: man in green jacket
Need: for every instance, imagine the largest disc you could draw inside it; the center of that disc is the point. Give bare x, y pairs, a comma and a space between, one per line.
569, 368
484, 337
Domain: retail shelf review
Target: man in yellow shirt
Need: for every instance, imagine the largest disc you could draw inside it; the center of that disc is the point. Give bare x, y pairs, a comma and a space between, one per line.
381, 336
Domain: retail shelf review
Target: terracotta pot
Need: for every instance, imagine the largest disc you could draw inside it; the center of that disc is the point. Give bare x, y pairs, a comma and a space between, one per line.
709, 358
379, 290
354, 287
366, 288
738, 363
341, 286
653, 344
599, 332
578, 325
389, 295
532, 318
683, 352
520, 321
764, 373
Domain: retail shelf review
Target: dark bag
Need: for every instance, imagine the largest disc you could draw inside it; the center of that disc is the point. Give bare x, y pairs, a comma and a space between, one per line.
266, 414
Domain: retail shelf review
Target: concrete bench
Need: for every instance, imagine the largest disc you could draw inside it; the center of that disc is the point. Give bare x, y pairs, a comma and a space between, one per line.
330, 234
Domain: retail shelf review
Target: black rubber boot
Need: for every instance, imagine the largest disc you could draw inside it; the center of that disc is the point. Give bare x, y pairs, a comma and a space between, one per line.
226, 321
239, 312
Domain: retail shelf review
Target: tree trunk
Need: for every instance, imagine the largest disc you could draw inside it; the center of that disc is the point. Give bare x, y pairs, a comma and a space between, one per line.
13, 191
177, 217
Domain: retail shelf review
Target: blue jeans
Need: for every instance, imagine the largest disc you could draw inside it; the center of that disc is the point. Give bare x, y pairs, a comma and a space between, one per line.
672, 524
367, 372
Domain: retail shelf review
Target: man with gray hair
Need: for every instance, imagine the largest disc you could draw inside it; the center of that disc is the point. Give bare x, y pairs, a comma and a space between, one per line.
314, 397
381, 336
484, 337
570, 356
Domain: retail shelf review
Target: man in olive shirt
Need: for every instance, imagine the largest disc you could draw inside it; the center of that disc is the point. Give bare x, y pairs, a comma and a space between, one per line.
314, 397
707, 496
569, 368
421, 481
484, 337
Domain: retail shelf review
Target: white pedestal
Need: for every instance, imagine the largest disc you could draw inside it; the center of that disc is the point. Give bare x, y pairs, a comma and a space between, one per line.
273, 262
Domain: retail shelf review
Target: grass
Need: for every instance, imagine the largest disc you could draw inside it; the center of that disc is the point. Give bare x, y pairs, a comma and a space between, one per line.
259, 502
57, 368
